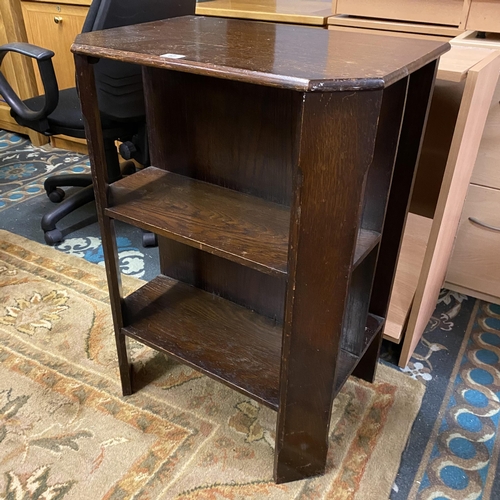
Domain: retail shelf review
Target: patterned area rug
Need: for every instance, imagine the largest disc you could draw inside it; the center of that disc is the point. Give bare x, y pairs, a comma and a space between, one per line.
65, 431
456, 441
454, 446
23, 169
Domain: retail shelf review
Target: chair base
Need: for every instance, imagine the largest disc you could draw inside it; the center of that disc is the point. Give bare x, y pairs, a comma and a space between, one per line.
52, 234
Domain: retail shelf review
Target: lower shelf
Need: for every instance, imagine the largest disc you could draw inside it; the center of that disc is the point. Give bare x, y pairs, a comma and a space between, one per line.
227, 342
223, 340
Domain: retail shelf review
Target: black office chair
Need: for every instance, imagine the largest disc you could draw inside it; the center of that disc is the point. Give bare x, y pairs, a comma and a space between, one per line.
121, 103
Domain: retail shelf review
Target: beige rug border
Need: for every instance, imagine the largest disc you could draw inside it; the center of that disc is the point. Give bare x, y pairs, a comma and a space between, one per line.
130, 283
382, 465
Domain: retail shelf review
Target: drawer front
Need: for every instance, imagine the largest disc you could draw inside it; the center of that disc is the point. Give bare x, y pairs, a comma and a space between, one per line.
487, 169
447, 12
475, 262
484, 15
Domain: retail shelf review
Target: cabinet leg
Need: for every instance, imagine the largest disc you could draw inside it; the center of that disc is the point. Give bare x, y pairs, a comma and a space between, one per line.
302, 446
304, 414
124, 364
103, 161
366, 369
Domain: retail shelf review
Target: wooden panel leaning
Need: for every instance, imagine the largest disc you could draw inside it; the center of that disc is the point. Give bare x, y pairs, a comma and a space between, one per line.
274, 148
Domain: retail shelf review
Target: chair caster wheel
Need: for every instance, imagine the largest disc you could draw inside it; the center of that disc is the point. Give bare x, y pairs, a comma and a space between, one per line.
56, 196
53, 237
149, 240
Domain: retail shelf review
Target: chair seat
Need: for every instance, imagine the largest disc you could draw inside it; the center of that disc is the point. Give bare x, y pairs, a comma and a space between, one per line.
67, 118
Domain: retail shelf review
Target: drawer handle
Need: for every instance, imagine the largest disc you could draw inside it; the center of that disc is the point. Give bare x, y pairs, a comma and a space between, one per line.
58, 19
482, 224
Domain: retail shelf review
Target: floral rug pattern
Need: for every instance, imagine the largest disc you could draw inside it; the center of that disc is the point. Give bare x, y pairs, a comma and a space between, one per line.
65, 431
453, 449
23, 169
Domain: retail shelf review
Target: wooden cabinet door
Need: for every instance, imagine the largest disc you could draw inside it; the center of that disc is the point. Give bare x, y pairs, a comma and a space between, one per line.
55, 26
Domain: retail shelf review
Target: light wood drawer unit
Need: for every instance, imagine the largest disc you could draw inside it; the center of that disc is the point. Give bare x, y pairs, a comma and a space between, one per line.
484, 15
17, 70
474, 267
8, 69
448, 12
475, 263
55, 26
464, 91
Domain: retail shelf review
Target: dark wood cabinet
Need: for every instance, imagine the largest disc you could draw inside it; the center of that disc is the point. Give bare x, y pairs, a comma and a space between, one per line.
283, 163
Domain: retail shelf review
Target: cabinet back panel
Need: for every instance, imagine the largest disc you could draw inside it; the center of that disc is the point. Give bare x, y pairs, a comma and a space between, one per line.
443, 115
236, 135
260, 292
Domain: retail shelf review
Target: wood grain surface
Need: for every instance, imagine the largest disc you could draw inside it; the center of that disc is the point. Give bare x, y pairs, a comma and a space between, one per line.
237, 226
286, 56
223, 340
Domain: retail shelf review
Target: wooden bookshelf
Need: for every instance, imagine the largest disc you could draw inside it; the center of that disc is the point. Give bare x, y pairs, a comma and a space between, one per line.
279, 193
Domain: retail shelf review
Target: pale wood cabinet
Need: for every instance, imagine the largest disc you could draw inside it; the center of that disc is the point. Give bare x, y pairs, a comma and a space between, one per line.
437, 17
311, 12
475, 263
447, 12
55, 26
6, 121
484, 15
468, 78
431, 17
16, 69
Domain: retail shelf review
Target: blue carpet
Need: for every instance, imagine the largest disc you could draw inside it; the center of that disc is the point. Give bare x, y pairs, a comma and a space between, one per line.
454, 447
23, 201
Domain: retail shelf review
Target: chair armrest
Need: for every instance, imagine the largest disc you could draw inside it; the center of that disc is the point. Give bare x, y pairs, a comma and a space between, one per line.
43, 58
26, 49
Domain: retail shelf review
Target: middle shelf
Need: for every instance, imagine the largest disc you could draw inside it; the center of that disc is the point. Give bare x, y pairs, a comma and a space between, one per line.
236, 226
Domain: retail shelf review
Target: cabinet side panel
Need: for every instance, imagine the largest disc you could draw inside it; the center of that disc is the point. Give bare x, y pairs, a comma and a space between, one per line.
233, 134
377, 184
337, 146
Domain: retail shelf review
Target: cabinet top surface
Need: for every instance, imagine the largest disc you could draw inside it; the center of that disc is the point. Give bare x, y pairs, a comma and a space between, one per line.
287, 56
